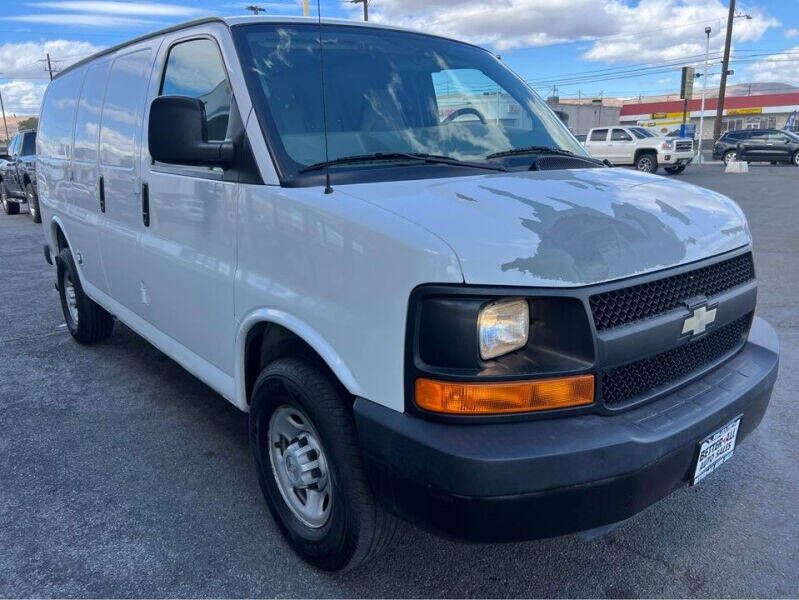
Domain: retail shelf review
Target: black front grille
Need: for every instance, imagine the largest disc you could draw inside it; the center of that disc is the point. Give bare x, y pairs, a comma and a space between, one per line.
682, 146
627, 382
626, 305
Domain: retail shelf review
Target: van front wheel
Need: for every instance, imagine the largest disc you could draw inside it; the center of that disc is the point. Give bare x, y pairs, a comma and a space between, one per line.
305, 446
87, 321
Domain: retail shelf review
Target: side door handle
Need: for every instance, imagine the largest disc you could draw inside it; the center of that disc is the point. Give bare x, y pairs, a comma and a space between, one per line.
101, 185
145, 204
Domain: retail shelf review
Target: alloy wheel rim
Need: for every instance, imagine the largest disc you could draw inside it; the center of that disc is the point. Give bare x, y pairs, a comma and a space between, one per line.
645, 165
731, 156
71, 298
299, 466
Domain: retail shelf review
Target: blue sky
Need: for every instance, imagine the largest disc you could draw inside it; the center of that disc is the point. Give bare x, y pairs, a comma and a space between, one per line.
586, 47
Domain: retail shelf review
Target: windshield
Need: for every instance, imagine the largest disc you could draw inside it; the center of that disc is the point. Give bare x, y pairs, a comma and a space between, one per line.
641, 133
388, 92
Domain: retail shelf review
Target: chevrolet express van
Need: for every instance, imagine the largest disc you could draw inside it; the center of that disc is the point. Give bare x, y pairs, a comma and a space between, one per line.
387, 249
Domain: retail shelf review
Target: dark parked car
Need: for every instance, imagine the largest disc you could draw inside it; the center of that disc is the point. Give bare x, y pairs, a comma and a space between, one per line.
18, 175
772, 145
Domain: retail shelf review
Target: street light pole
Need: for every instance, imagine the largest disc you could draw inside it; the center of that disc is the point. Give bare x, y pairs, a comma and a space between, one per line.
725, 65
365, 7
704, 95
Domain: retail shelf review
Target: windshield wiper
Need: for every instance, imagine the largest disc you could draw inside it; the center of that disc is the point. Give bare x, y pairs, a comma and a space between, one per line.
389, 156
531, 150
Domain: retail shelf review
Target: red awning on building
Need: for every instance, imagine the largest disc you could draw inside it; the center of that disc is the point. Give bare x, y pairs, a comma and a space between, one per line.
731, 102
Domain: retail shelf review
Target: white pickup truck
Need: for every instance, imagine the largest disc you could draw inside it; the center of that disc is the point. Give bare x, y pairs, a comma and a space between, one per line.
640, 147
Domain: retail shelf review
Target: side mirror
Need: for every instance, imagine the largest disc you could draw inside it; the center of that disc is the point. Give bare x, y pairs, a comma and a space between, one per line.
177, 134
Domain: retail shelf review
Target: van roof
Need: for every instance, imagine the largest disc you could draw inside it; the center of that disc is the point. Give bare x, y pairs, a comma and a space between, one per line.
232, 22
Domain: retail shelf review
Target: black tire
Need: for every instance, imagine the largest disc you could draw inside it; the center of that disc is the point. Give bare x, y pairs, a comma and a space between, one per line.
33, 203
675, 170
357, 527
9, 207
729, 156
93, 323
647, 163
795, 158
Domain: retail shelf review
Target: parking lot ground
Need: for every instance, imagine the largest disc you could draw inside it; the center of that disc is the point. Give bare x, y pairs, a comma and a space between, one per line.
123, 475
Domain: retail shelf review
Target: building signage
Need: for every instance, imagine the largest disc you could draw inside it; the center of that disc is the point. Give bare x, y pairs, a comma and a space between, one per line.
667, 115
687, 83
745, 111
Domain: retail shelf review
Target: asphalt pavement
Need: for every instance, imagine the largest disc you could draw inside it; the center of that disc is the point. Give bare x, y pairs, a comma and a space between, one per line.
121, 475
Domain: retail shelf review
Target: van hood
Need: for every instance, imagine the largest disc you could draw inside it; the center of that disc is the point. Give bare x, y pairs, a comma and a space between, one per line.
565, 228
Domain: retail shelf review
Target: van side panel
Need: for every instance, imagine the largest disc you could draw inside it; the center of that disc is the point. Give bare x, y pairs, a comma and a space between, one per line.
120, 130
84, 189
54, 149
338, 272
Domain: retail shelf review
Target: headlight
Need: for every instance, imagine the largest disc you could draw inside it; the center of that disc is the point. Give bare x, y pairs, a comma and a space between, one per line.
666, 145
503, 327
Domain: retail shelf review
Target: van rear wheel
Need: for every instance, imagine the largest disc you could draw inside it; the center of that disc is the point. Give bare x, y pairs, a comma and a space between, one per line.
87, 321
306, 452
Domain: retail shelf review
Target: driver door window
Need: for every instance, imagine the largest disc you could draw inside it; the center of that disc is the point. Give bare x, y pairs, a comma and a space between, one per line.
619, 135
195, 69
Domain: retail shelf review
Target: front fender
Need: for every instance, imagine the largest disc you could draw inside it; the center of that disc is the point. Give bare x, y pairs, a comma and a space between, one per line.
302, 330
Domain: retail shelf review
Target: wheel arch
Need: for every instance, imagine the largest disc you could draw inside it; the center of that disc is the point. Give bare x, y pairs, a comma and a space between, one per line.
267, 334
640, 151
58, 235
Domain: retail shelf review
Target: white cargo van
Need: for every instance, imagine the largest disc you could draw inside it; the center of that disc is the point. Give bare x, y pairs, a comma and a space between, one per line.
388, 250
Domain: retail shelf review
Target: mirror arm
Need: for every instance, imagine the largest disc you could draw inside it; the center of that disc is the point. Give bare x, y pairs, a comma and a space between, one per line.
227, 153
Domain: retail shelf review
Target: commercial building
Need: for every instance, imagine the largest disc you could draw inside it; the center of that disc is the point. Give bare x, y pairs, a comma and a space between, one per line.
502, 108
585, 115
740, 112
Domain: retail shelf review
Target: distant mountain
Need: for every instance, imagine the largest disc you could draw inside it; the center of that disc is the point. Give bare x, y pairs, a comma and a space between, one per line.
757, 89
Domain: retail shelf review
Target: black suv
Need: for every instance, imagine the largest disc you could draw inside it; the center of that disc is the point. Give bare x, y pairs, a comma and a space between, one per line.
18, 175
772, 145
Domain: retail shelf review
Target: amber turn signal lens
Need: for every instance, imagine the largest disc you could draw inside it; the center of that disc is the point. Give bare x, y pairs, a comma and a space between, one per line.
455, 398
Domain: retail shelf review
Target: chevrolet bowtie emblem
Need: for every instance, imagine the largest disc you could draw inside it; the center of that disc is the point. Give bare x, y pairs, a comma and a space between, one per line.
698, 322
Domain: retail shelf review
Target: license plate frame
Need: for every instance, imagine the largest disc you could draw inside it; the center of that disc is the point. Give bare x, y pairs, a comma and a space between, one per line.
716, 449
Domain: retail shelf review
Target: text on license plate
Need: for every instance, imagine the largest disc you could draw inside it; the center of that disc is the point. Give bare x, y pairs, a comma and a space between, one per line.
715, 450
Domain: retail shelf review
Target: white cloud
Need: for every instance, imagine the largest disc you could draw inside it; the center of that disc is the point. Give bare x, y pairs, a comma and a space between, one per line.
791, 33
85, 20
25, 59
782, 67
642, 31
154, 9
22, 65
22, 97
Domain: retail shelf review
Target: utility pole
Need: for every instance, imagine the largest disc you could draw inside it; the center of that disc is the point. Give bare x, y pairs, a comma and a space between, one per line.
725, 65
49, 66
365, 7
3, 109
704, 95
305, 10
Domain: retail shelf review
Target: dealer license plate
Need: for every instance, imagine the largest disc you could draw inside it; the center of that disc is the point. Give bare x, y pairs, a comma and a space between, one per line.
716, 450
